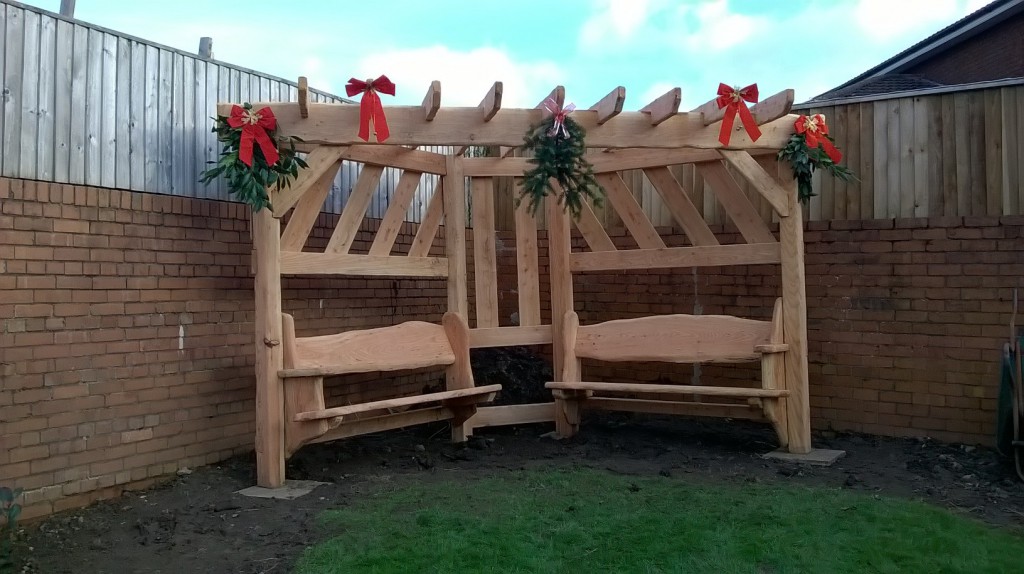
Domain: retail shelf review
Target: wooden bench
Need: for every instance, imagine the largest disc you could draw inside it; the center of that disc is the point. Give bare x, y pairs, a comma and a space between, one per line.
674, 339
410, 345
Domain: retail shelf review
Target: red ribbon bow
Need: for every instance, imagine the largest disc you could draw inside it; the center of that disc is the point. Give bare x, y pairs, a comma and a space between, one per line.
734, 101
254, 126
370, 106
814, 130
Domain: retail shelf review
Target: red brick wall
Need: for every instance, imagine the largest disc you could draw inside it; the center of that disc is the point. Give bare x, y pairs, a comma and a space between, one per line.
992, 55
906, 319
126, 335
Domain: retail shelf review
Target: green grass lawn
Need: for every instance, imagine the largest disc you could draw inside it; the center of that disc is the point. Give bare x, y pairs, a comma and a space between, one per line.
588, 521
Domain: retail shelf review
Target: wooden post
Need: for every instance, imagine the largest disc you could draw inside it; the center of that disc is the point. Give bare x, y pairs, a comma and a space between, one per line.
559, 248
794, 319
206, 48
67, 8
269, 351
453, 189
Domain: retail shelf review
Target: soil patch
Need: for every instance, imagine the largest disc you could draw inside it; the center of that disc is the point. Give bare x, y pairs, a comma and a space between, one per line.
195, 523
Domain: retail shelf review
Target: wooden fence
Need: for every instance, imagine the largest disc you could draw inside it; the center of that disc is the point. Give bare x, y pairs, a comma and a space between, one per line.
89, 106
947, 154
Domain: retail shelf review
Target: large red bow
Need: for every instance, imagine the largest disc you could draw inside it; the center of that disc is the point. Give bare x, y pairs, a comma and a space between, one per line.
814, 130
254, 126
370, 106
734, 101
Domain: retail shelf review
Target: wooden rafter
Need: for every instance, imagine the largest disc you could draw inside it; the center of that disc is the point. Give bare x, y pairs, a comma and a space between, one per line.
320, 161
758, 178
736, 203
664, 107
427, 231
432, 101
629, 210
338, 125
306, 211
384, 241
610, 106
303, 97
355, 209
678, 202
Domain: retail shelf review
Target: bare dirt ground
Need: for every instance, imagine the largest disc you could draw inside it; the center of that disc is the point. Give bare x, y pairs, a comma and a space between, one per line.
196, 523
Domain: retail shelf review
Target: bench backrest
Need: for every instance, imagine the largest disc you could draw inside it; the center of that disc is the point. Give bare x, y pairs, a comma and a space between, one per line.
409, 345
673, 338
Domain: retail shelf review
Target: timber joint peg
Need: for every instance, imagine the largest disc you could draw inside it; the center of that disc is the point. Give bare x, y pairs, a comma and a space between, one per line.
271, 342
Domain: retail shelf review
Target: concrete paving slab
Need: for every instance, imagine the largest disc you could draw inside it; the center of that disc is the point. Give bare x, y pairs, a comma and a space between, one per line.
817, 456
291, 490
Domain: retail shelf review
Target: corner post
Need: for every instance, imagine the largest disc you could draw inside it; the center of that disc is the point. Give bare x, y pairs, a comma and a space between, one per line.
794, 317
559, 249
270, 445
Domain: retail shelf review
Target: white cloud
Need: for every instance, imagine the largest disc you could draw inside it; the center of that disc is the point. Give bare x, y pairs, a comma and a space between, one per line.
465, 76
716, 27
615, 21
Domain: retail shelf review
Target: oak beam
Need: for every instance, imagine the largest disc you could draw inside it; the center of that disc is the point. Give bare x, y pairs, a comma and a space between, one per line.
664, 107
670, 257
432, 101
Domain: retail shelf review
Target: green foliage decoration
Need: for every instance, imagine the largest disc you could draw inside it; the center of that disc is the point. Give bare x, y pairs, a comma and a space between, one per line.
559, 157
249, 184
806, 159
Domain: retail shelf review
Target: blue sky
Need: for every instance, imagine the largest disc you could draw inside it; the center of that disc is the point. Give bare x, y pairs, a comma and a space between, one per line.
589, 46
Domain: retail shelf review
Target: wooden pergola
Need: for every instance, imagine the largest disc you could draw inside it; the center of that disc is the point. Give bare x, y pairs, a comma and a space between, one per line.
290, 370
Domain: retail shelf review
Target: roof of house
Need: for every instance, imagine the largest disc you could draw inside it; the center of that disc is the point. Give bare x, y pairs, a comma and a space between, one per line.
889, 76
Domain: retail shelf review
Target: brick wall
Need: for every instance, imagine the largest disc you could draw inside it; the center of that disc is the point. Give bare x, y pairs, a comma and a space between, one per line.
126, 335
906, 319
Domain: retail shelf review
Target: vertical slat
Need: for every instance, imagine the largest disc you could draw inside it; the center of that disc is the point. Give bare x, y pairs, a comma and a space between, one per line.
94, 110
892, 191
1013, 131
1020, 147
177, 150
199, 126
207, 140
165, 123
866, 170
62, 88
962, 116
151, 118
13, 78
188, 128
355, 210
977, 138
840, 188
46, 133
108, 114
851, 157
455, 235
936, 145
993, 152
527, 265
224, 94
79, 87
950, 136
824, 208
3, 59
123, 140
485, 264
921, 153
880, 117
30, 97
137, 118
905, 190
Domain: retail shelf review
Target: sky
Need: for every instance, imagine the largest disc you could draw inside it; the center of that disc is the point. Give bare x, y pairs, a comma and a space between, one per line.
588, 46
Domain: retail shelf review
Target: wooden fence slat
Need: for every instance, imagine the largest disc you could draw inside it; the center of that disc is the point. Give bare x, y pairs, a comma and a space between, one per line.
30, 95
961, 105
841, 119
1011, 134
895, 124
950, 138
993, 154
62, 89
122, 114
823, 204
485, 263
13, 77
94, 110
46, 133
3, 59
904, 191
527, 265
936, 145
976, 153
1020, 146
919, 200
851, 157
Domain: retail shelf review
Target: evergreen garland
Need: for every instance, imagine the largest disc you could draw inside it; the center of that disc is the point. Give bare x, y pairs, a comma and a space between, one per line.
559, 158
249, 183
805, 160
